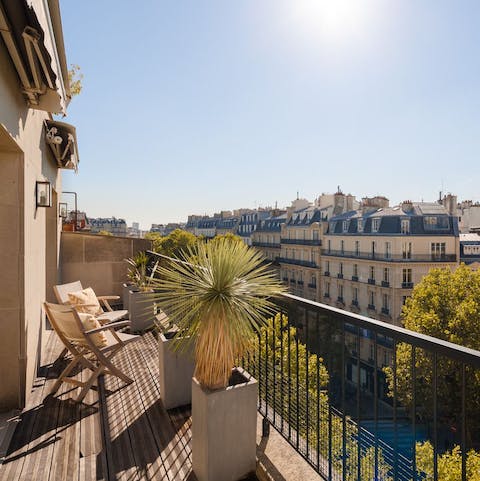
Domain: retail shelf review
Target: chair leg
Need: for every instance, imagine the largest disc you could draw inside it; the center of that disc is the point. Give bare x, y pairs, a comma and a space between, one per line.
90, 383
65, 373
116, 372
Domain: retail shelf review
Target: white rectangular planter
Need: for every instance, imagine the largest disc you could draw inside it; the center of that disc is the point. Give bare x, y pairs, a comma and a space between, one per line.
126, 288
175, 373
141, 310
224, 425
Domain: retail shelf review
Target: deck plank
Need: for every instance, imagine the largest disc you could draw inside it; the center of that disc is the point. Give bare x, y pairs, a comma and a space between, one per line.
118, 433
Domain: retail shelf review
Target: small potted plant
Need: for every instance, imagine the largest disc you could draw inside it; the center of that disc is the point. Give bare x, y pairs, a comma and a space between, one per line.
140, 306
219, 295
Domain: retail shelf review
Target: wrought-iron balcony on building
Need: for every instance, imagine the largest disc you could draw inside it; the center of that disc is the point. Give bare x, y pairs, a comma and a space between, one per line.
300, 283
302, 242
326, 273
271, 245
391, 257
354, 302
385, 311
371, 307
297, 262
385, 284
371, 281
312, 285
340, 275
355, 278
407, 285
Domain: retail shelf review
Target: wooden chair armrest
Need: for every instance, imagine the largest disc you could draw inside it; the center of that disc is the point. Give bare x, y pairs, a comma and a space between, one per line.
113, 325
108, 298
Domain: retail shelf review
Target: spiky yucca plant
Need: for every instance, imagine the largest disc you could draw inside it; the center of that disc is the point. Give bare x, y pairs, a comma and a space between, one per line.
219, 296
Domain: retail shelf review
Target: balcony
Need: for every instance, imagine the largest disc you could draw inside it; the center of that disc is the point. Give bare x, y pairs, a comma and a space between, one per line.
390, 257
340, 275
302, 242
293, 281
340, 300
300, 283
285, 279
312, 285
385, 284
407, 285
297, 262
355, 303
270, 245
371, 307
385, 311
371, 281
326, 273
355, 278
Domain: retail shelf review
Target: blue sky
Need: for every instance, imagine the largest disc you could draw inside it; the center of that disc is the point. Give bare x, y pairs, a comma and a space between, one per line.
197, 106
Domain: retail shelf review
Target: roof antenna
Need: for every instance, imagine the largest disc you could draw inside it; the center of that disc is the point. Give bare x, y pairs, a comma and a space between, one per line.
297, 194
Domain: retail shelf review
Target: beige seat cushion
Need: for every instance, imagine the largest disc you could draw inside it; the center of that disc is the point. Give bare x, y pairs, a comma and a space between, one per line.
85, 301
70, 330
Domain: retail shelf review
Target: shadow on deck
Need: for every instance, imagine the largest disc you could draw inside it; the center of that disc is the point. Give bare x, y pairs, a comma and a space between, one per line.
118, 432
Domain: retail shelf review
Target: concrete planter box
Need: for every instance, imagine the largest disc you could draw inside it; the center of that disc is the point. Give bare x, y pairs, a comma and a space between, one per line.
126, 288
175, 373
224, 425
141, 310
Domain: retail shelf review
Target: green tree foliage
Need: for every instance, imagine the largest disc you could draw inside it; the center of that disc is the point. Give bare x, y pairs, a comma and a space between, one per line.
275, 360
75, 78
228, 236
445, 305
449, 463
173, 244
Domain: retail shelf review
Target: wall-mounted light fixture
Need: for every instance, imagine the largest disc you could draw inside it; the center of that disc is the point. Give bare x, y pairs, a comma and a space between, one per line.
62, 210
43, 193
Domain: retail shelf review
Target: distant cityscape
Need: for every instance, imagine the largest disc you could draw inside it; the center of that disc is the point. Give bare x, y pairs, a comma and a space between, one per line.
361, 255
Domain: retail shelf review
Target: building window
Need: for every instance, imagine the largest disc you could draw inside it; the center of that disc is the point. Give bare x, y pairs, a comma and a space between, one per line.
372, 272
360, 225
438, 250
430, 220
385, 301
345, 226
386, 274
373, 249
329, 245
340, 291
405, 226
371, 297
327, 289
404, 300
357, 248
407, 250
355, 270
314, 281
375, 224
327, 266
340, 268
407, 276
315, 235
388, 250
342, 246
355, 294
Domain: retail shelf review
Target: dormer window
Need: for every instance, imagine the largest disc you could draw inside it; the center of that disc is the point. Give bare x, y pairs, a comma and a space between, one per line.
405, 226
360, 225
345, 226
375, 224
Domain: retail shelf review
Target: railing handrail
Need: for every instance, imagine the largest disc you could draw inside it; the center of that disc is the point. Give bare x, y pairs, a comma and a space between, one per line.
378, 256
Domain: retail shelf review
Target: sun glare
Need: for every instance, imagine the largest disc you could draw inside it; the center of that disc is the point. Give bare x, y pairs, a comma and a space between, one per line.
329, 20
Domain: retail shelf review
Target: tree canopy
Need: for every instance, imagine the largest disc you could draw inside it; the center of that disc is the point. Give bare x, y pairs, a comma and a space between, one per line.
445, 305
171, 245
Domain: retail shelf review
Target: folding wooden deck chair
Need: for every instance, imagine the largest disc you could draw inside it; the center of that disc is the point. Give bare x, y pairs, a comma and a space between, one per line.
91, 348
108, 315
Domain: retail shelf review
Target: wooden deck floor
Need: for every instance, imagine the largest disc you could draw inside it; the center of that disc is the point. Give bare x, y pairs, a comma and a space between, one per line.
118, 432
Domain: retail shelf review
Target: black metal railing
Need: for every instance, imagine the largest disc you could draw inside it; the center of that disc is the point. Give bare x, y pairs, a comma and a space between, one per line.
390, 257
297, 262
302, 242
361, 399
271, 245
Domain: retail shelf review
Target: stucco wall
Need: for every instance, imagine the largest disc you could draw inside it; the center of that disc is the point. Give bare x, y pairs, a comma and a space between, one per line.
97, 261
24, 159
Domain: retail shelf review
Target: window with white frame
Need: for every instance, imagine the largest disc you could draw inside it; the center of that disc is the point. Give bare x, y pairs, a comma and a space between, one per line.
405, 226
385, 301
371, 297
375, 224
438, 250
372, 272
407, 250
386, 274
357, 248
388, 250
407, 276
355, 270
345, 225
360, 225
